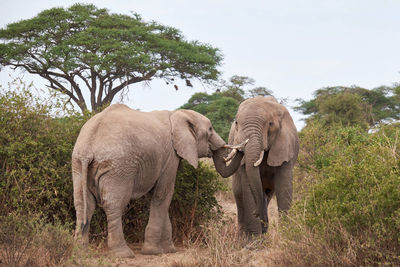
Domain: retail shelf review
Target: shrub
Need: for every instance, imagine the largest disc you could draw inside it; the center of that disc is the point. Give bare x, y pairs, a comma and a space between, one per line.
194, 201
35, 155
351, 200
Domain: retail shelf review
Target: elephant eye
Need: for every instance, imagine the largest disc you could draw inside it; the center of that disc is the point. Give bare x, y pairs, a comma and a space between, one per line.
210, 129
271, 123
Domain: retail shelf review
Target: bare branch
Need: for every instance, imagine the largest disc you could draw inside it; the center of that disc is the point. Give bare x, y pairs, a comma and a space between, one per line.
101, 89
93, 88
132, 80
59, 87
83, 79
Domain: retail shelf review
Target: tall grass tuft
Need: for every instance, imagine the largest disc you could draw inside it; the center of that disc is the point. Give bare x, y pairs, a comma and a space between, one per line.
26, 240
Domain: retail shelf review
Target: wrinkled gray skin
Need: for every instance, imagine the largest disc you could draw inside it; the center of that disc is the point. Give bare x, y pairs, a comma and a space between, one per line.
122, 154
269, 128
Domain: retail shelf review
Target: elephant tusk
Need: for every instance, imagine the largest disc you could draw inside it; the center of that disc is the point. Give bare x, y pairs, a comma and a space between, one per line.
231, 155
239, 146
258, 162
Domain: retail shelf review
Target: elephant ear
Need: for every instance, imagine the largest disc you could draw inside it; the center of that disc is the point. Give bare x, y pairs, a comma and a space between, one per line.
184, 136
284, 147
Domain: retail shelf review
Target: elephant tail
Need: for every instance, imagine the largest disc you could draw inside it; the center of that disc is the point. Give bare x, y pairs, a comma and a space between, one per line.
84, 177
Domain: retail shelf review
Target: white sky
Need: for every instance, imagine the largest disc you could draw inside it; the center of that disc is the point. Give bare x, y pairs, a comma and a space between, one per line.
292, 47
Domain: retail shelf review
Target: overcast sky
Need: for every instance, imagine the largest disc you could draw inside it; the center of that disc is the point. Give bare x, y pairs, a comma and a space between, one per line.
291, 47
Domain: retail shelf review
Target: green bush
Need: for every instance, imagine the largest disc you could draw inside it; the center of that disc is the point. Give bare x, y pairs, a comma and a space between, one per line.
36, 142
350, 182
194, 200
35, 155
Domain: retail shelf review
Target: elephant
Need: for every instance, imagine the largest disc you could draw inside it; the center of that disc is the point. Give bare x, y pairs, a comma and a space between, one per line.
267, 166
122, 154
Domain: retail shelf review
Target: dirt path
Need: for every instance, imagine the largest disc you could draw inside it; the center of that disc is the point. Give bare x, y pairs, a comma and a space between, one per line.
141, 260
182, 256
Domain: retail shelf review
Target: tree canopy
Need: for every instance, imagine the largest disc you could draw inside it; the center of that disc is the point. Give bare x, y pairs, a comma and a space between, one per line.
87, 47
353, 105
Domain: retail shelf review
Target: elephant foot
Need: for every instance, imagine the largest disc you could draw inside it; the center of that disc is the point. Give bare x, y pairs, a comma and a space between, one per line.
257, 244
264, 227
80, 238
151, 250
168, 248
122, 252
251, 237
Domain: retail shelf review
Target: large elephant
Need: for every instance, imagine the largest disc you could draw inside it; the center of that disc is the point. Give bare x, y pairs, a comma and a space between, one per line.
122, 154
268, 162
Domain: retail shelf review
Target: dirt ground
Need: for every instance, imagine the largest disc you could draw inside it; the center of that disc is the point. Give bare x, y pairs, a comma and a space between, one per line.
182, 255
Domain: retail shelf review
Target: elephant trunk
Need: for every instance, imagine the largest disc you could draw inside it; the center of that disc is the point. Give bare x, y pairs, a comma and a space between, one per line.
216, 142
252, 154
220, 165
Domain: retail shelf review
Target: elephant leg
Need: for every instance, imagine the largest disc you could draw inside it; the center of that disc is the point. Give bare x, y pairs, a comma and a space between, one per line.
284, 187
238, 194
81, 230
158, 233
83, 234
252, 224
166, 238
264, 221
115, 195
268, 193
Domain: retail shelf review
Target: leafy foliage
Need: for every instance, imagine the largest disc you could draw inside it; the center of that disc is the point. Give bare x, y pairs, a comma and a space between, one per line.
352, 105
106, 52
35, 155
194, 200
350, 190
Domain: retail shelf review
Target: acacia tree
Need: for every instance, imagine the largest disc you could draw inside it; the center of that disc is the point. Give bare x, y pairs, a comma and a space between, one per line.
237, 87
87, 47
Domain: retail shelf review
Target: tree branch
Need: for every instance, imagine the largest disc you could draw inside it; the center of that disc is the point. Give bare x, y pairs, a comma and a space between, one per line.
60, 88
132, 80
101, 89
93, 88
83, 79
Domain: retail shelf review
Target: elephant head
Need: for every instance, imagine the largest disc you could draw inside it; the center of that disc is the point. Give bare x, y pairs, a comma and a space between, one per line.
270, 130
194, 137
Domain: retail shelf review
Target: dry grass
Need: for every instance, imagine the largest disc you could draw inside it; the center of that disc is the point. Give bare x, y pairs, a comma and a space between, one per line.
27, 241
294, 245
287, 243
220, 243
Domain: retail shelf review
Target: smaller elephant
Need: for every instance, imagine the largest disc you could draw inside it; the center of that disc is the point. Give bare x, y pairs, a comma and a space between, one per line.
122, 154
269, 158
